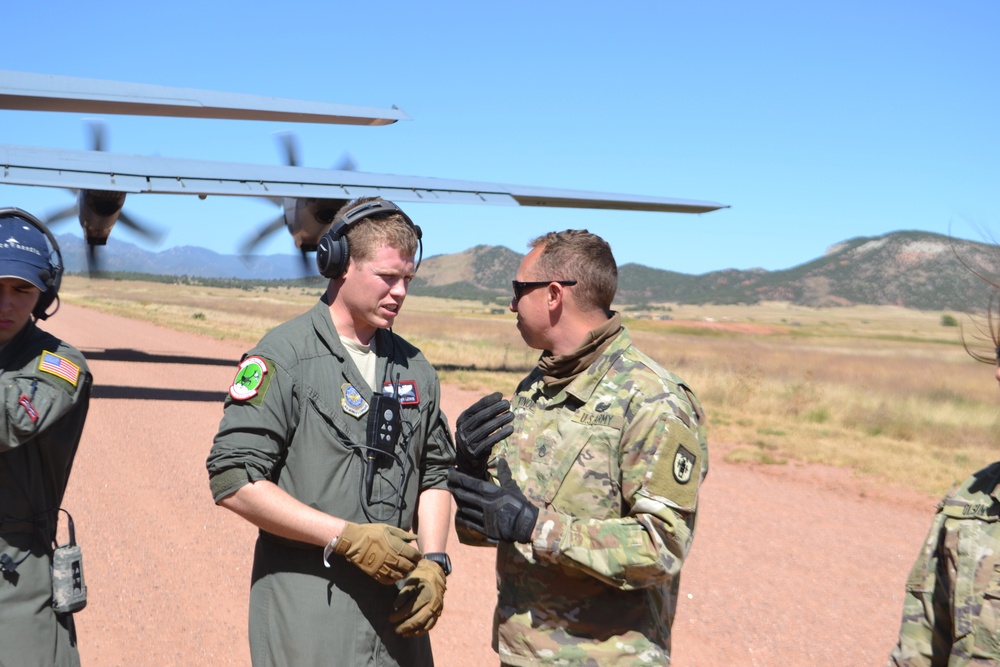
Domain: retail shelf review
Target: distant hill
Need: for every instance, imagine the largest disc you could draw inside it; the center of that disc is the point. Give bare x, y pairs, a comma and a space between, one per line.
908, 268
123, 257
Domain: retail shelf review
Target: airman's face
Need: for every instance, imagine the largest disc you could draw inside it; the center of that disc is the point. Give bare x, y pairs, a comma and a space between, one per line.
372, 292
17, 299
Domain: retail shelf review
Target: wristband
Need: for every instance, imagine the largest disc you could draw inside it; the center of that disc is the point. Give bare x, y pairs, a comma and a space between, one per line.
328, 549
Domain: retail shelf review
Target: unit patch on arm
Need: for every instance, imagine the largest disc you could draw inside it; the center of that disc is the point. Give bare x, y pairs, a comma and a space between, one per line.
251, 379
683, 465
677, 470
61, 367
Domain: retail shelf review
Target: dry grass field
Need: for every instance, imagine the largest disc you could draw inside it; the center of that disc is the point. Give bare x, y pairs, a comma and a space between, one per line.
887, 392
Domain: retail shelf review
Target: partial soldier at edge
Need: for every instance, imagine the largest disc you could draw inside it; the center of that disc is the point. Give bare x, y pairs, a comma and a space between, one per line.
46, 394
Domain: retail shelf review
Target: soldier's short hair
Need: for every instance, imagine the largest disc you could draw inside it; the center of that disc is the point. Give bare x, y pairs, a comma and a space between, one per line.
576, 254
367, 235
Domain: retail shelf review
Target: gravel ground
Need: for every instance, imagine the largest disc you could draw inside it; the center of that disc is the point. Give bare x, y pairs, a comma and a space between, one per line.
791, 565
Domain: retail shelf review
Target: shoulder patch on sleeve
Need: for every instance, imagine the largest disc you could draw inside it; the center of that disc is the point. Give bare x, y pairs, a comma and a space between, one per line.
61, 367
677, 471
252, 379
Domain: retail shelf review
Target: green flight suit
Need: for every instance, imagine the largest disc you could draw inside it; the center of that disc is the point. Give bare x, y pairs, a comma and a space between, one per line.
303, 428
46, 394
951, 612
613, 462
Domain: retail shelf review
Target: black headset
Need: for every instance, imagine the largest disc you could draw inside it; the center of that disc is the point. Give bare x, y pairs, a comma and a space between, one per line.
333, 251
51, 277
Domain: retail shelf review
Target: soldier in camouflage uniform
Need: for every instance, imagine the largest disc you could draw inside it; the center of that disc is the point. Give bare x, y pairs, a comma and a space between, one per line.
46, 393
951, 613
588, 485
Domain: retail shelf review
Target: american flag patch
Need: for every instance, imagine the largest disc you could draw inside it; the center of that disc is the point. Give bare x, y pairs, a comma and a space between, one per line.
60, 367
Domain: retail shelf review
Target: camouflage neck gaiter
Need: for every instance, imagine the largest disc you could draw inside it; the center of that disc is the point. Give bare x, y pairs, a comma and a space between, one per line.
561, 370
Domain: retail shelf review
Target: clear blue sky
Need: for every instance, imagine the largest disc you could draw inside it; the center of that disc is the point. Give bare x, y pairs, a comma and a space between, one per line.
815, 122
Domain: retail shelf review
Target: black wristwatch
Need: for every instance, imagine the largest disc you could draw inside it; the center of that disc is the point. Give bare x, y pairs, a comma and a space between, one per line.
441, 558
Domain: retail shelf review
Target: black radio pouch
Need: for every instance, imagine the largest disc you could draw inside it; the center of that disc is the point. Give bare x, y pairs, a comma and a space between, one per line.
383, 428
69, 590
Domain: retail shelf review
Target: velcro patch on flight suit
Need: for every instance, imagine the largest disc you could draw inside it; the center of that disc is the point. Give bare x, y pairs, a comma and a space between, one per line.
353, 402
252, 380
61, 367
677, 471
408, 393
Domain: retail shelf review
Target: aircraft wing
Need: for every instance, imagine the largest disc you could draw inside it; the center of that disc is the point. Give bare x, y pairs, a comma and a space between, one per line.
95, 170
45, 92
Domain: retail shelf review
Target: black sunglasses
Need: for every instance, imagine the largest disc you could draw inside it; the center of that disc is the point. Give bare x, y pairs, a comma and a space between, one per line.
520, 288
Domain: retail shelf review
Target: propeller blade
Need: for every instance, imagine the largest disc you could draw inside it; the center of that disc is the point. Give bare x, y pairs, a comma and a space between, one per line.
308, 267
346, 163
147, 231
61, 215
98, 134
93, 261
290, 145
265, 230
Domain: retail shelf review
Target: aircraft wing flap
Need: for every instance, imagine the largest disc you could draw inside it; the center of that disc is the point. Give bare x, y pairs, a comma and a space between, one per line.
281, 189
207, 186
95, 170
607, 201
72, 180
45, 92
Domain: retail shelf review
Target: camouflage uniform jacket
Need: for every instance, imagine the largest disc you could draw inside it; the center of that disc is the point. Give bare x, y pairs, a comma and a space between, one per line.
45, 388
614, 462
951, 614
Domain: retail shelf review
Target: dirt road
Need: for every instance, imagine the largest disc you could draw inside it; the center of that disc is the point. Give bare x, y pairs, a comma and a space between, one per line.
791, 565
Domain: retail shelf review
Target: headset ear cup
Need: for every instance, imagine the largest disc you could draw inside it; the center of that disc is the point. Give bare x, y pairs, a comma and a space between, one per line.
333, 252
51, 278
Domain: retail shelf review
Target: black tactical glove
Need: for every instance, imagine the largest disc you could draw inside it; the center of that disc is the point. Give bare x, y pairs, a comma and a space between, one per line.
498, 512
479, 428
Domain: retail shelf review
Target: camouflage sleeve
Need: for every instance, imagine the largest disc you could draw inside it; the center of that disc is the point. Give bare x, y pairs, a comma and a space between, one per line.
925, 628
661, 468
39, 395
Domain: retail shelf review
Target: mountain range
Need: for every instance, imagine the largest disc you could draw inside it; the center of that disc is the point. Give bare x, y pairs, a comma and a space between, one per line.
908, 268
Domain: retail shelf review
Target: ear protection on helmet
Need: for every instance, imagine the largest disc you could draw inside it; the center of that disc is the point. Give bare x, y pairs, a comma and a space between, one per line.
333, 251
51, 278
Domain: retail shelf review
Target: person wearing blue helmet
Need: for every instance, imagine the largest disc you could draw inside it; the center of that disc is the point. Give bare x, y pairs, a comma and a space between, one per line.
45, 385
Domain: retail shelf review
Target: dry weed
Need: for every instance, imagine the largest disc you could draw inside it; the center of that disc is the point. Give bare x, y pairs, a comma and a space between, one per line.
887, 392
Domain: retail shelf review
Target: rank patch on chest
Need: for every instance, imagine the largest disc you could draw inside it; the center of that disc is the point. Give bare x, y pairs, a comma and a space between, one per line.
408, 394
250, 378
683, 465
353, 402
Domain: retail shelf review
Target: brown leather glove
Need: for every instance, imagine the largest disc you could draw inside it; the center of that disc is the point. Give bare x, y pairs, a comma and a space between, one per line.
420, 600
382, 551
